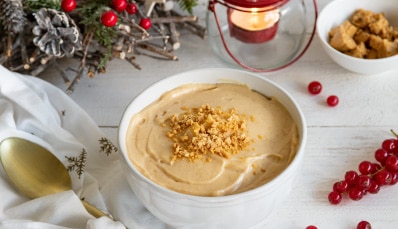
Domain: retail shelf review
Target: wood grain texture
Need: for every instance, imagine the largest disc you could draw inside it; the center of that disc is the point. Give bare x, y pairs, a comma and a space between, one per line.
338, 138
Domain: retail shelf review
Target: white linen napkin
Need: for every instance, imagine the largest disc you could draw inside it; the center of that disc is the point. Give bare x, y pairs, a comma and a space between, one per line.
33, 109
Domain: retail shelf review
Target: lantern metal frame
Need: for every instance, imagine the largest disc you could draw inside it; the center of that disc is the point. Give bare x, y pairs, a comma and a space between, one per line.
260, 8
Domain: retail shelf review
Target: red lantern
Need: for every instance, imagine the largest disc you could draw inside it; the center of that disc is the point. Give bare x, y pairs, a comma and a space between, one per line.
260, 35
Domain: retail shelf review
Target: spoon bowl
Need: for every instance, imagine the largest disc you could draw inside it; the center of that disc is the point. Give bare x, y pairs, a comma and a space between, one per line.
35, 171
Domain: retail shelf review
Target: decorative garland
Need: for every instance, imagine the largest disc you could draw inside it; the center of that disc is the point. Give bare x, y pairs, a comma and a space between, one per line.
36, 34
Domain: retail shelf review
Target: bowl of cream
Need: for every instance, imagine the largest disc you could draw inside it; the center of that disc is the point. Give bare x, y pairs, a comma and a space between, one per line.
212, 148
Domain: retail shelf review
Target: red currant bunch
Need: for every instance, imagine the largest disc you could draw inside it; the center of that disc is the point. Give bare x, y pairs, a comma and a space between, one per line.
371, 176
361, 225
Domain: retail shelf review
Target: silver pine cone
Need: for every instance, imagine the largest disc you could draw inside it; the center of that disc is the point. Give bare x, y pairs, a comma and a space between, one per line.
12, 16
56, 33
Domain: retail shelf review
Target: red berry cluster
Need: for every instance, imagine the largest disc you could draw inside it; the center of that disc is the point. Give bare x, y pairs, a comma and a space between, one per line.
315, 88
371, 175
109, 18
361, 225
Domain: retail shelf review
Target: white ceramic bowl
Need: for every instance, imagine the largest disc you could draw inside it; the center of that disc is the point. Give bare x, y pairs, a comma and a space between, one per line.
234, 211
336, 12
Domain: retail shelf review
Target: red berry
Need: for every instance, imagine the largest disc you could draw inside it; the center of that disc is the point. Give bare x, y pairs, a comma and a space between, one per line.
395, 150
351, 177
119, 5
335, 197
311, 227
131, 8
381, 155
364, 225
392, 163
145, 23
389, 145
315, 87
332, 100
375, 167
363, 182
355, 193
365, 167
109, 18
394, 178
68, 5
383, 177
374, 187
340, 186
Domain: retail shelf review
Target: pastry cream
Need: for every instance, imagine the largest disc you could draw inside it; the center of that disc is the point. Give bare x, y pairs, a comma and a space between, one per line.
268, 131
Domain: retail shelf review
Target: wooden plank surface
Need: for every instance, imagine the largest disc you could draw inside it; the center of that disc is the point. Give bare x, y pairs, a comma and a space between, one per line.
338, 138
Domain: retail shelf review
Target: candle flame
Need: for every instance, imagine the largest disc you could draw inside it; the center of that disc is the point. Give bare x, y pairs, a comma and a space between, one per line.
254, 20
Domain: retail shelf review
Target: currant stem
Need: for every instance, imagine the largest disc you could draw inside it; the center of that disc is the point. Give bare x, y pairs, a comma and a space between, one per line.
394, 133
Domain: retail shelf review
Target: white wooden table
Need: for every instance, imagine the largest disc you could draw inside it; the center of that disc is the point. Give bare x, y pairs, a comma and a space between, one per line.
338, 138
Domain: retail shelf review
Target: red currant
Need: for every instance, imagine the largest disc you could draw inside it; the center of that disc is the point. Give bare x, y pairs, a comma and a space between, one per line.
68, 5
395, 150
131, 8
365, 167
381, 155
383, 177
364, 225
145, 23
394, 178
375, 167
332, 100
355, 193
335, 197
392, 163
389, 145
351, 177
363, 182
109, 18
374, 187
119, 5
315, 87
340, 186
311, 227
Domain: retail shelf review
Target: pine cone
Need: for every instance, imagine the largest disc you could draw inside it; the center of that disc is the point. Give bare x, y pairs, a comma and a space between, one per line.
56, 33
12, 16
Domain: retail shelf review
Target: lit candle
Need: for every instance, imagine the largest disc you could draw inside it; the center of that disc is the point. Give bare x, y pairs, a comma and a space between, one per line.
254, 26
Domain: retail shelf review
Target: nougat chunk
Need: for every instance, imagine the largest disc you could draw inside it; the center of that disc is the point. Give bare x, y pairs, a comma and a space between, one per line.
388, 48
383, 47
380, 25
342, 41
372, 54
361, 36
359, 51
361, 18
347, 26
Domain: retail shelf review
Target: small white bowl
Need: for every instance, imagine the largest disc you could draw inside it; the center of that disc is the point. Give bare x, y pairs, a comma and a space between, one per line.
241, 210
336, 12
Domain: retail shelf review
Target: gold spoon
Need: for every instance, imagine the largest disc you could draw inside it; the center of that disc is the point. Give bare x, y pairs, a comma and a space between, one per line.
35, 171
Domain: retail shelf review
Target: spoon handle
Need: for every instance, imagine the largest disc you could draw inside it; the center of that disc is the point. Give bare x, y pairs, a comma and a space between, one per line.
94, 211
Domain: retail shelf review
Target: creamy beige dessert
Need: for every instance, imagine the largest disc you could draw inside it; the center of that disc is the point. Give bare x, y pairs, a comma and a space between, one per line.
212, 139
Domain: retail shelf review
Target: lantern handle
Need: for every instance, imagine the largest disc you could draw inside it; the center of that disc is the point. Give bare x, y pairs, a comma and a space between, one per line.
259, 10
211, 7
